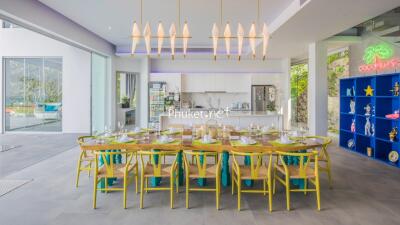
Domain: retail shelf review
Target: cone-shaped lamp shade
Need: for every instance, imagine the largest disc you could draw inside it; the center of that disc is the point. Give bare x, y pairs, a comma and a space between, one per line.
265, 35
240, 37
172, 36
227, 36
214, 35
135, 37
160, 34
252, 39
147, 38
185, 35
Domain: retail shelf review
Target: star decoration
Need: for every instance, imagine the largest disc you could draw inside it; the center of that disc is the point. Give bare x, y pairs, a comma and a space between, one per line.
369, 91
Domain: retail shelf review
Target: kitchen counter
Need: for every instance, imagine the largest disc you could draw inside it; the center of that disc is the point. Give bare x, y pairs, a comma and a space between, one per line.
234, 118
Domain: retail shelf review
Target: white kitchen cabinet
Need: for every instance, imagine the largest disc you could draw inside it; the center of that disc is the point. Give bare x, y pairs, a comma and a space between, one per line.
173, 80
216, 82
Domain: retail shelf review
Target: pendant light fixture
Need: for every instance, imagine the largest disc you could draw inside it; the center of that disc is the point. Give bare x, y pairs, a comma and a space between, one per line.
240, 36
136, 35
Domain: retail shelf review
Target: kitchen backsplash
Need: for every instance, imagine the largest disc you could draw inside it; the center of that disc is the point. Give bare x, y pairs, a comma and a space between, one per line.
215, 100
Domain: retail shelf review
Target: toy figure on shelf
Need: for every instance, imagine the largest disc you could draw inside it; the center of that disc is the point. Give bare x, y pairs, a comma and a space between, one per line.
353, 126
396, 89
367, 128
352, 106
393, 134
369, 91
350, 91
367, 109
373, 130
393, 116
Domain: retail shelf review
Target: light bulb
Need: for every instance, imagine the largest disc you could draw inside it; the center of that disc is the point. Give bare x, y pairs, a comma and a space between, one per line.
215, 34
172, 36
147, 38
240, 37
160, 34
265, 34
252, 39
185, 35
227, 36
135, 37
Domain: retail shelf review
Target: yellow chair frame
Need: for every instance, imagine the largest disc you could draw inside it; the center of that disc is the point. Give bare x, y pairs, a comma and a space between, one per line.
111, 170
157, 171
301, 171
85, 161
202, 170
256, 163
323, 157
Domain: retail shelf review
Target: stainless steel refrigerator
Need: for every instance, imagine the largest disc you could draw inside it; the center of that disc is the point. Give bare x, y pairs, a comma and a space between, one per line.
262, 98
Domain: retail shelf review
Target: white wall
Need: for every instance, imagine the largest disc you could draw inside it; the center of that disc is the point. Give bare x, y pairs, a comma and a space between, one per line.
75, 78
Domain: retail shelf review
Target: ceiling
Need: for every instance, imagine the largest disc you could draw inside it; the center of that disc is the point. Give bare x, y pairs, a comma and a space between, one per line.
294, 23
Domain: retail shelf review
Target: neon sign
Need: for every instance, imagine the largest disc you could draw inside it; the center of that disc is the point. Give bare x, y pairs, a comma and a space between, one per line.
379, 57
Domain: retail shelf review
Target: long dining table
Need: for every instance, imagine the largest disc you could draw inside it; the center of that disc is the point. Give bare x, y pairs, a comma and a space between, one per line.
265, 143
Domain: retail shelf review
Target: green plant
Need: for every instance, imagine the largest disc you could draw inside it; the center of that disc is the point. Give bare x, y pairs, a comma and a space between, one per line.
271, 106
125, 100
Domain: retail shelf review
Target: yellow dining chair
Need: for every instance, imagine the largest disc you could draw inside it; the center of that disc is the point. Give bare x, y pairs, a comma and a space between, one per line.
255, 171
323, 157
305, 171
202, 169
109, 169
156, 169
86, 159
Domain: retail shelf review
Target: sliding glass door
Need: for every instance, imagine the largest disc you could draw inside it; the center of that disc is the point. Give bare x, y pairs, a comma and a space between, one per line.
33, 94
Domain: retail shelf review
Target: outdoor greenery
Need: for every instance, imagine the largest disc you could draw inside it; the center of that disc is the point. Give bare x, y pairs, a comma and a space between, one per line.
338, 66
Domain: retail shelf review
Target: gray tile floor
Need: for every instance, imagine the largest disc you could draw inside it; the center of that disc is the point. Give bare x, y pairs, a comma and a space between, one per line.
365, 192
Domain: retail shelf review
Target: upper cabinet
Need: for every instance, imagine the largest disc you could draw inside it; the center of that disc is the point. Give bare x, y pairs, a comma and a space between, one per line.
173, 80
217, 82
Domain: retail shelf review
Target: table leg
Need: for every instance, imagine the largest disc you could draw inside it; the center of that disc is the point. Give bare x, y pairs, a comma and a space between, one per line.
225, 174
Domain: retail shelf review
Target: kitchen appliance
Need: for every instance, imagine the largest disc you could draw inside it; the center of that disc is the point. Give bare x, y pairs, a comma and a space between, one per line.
263, 98
157, 94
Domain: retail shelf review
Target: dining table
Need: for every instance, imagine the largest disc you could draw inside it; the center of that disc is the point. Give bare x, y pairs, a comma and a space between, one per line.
184, 140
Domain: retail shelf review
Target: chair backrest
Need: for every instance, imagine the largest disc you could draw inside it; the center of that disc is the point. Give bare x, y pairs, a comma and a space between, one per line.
82, 140
326, 141
108, 160
304, 161
201, 160
155, 159
254, 159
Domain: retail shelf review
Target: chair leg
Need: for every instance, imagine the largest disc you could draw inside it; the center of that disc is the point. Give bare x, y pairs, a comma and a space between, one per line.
141, 190
90, 168
147, 183
125, 189
187, 190
172, 190
217, 185
94, 191
317, 187
287, 186
78, 172
239, 190
264, 187
305, 186
177, 182
233, 183
136, 179
274, 183
105, 184
269, 194
329, 175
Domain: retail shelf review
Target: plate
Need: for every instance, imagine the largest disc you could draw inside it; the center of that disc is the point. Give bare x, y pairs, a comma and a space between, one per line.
393, 156
285, 143
125, 140
169, 140
212, 141
251, 142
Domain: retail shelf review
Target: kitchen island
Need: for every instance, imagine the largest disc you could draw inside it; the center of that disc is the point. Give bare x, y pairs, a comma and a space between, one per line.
240, 119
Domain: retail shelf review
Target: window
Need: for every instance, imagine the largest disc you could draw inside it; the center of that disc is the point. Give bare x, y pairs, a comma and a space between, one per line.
33, 94
298, 85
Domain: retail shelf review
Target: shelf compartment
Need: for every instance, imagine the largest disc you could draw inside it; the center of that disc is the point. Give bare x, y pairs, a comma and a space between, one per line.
362, 142
345, 136
362, 83
345, 104
383, 148
345, 121
344, 84
385, 83
384, 106
360, 123
383, 127
361, 103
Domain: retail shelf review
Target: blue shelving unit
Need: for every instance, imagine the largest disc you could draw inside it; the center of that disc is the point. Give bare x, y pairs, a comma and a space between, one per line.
383, 102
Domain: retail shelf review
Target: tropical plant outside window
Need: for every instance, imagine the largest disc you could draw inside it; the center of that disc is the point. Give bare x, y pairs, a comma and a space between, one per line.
338, 67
